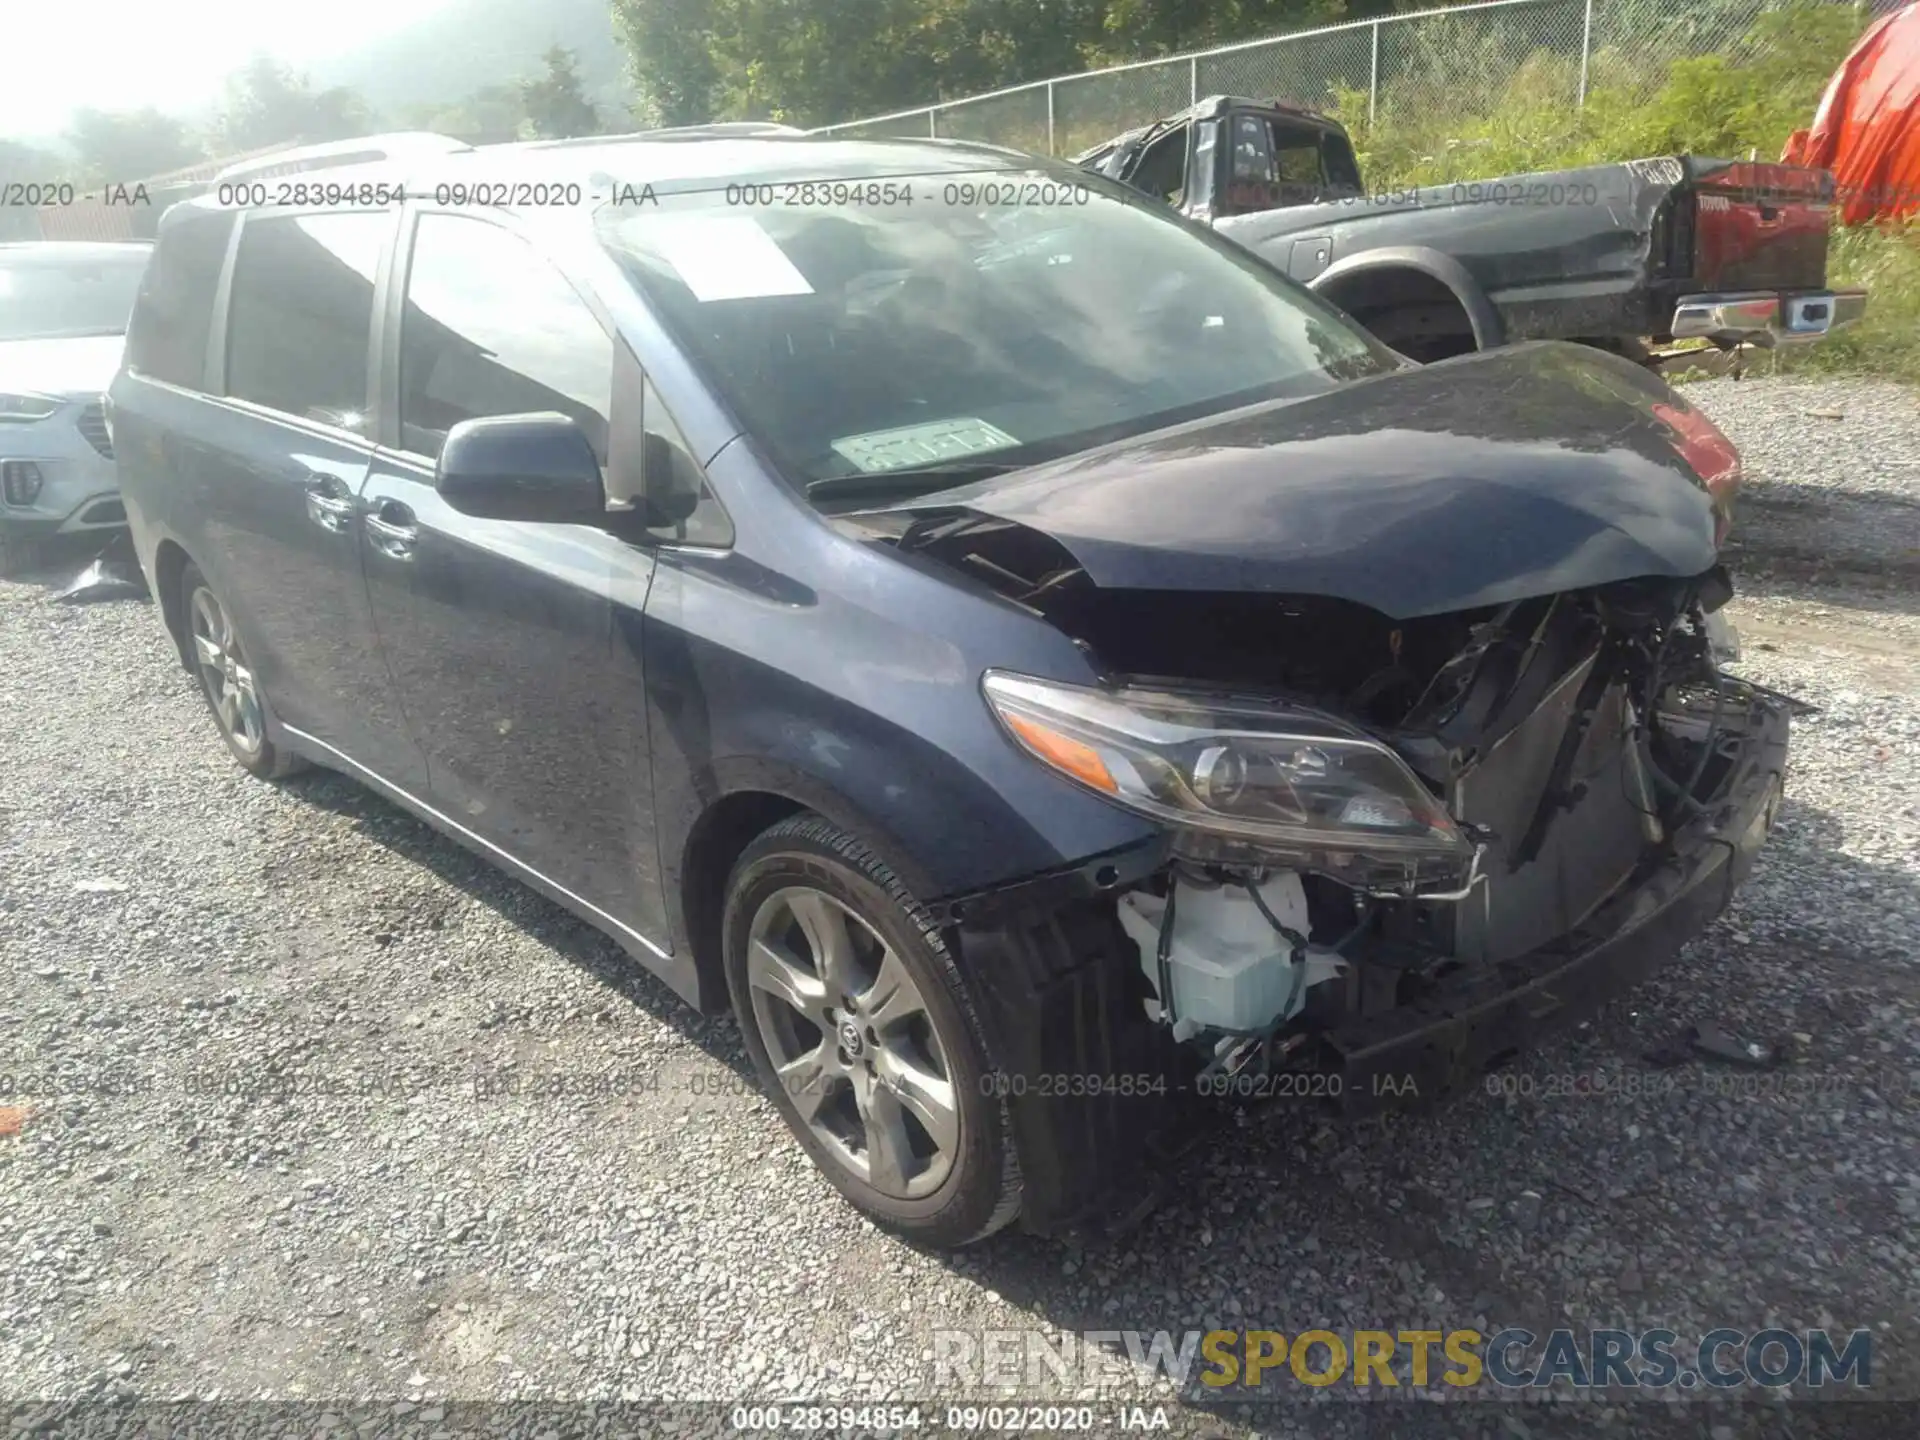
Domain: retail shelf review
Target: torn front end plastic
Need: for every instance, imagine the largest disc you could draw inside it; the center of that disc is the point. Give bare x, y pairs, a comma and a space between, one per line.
1396, 851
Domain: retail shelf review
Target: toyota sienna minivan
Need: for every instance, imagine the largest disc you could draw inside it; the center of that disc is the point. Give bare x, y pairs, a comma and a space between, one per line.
1041, 669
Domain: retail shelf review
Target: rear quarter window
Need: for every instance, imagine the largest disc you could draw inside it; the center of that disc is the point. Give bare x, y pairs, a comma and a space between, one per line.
167, 338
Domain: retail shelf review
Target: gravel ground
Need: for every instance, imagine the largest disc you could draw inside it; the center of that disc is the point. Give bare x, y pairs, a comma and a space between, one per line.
311, 1193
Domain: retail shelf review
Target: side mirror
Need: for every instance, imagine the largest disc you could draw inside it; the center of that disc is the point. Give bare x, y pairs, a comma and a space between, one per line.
522, 467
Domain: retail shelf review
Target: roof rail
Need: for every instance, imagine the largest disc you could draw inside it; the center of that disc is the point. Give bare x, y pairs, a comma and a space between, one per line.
723, 129
359, 151
720, 130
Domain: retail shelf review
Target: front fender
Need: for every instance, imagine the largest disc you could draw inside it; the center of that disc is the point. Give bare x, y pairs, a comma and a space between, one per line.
854, 813
861, 702
949, 803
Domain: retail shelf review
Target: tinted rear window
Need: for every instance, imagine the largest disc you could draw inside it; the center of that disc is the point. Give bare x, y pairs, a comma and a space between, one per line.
168, 337
301, 314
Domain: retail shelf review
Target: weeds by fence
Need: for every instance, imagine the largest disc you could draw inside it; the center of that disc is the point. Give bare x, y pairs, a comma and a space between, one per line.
1410, 86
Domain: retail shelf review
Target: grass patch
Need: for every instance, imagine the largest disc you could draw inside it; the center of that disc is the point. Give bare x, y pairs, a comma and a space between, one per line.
1749, 98
1885, 259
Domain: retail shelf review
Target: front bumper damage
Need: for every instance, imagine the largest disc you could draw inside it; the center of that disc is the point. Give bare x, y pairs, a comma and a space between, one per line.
1100, 1101
1419, 678
1432, 1048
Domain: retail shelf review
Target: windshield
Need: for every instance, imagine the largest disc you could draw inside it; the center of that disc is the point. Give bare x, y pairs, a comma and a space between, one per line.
48, 296
871, 326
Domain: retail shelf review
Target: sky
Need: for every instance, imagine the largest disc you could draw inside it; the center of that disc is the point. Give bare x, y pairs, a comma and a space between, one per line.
62, 55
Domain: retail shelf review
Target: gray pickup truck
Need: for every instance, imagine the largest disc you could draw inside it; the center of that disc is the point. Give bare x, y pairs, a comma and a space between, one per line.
1655, 250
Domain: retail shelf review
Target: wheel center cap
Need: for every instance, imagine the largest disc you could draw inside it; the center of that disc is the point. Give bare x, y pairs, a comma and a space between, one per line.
850, 1038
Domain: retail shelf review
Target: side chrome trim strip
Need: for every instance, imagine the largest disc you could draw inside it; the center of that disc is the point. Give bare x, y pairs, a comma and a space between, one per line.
426, 811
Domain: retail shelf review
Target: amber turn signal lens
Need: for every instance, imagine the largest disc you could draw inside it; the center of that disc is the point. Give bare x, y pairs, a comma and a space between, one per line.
1079, 760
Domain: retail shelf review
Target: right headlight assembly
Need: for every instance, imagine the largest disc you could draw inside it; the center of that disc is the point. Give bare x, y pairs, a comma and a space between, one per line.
1280, 776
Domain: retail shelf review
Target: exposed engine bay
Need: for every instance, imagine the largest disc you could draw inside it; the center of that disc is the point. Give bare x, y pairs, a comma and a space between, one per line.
1405, 801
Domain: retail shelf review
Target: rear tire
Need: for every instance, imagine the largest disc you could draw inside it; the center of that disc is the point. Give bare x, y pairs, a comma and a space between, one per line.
227, 683
864, 1036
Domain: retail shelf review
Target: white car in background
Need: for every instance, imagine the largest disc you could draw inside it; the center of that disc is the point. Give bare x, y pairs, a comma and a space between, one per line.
63, 323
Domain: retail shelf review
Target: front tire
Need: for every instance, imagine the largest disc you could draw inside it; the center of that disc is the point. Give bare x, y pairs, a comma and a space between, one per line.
227, 681
861, 1029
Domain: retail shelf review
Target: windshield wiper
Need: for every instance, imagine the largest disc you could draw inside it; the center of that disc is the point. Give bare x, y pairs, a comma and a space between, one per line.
918, 477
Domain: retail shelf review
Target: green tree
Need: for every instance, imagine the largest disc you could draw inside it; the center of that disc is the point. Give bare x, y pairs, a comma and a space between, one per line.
555, 105
669, 46
29, 164
267, 104
1136, 29
817, 61
123, 146
491, 115
813, 62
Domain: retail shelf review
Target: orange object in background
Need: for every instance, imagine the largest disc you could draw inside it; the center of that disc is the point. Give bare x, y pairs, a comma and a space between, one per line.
1867, 129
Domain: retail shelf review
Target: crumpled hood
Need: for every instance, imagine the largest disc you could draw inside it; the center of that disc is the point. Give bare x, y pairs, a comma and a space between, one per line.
80, 368
1522, 471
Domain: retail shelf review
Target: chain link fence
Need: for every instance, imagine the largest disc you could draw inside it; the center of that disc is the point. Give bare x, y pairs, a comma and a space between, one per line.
1433, 65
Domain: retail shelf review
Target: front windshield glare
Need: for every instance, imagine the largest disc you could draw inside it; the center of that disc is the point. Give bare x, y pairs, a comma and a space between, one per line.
868, 326
54, 297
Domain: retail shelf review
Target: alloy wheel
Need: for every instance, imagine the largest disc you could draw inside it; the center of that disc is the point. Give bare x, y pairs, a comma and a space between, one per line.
225, 673
852, 1042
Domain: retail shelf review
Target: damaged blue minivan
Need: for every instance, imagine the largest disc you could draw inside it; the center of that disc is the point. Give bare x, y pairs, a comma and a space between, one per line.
1037, 666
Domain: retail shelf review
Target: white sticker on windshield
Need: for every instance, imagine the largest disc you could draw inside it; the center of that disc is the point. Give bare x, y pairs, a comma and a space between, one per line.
927, 444
728, 257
